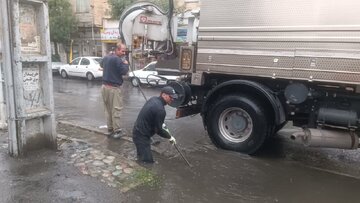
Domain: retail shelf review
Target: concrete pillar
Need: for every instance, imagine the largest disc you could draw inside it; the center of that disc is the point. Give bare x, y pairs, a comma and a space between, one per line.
2, 84
28, 75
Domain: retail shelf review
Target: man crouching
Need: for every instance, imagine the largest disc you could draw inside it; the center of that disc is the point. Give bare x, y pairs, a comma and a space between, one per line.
150, 121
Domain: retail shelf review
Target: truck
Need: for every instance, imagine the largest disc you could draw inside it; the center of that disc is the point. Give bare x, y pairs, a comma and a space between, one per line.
254, 66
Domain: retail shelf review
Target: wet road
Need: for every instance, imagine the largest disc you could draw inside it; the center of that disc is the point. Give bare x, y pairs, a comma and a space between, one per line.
282, 171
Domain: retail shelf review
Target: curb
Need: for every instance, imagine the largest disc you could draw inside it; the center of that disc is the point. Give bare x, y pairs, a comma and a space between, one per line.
95, 130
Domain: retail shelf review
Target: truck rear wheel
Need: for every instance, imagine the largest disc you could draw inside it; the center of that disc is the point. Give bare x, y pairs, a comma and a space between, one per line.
238, 123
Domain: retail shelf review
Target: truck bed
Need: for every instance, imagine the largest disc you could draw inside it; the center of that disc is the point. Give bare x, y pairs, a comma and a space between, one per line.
298, 40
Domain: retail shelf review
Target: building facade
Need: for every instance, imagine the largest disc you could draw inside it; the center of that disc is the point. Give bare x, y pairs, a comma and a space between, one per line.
90, 15
97, 32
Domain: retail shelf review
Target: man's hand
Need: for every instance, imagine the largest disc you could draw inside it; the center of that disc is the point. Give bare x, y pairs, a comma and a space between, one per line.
123, 59
164, 127
172, 140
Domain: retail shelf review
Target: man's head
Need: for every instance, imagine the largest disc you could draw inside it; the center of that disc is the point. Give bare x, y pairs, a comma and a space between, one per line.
168, 94
120, 49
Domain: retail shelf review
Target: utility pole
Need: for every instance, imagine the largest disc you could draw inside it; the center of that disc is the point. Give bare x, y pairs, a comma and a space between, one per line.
28, 75
92, 28
3, 124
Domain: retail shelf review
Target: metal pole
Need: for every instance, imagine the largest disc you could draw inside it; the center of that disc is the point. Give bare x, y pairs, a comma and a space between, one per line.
176, 147
92, 29
93, 20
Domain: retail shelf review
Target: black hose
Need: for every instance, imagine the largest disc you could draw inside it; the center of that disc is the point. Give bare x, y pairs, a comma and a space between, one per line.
156, 81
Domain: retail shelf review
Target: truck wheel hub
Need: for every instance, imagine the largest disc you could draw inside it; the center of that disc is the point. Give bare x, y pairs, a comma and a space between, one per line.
235, 124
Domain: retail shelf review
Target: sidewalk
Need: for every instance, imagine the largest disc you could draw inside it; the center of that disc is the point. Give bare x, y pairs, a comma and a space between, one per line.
79, 171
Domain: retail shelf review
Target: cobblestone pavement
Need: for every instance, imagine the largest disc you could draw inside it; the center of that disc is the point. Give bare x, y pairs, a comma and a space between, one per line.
88, 158
108, 167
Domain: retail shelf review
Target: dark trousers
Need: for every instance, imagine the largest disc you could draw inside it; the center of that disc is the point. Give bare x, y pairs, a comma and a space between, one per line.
143, 148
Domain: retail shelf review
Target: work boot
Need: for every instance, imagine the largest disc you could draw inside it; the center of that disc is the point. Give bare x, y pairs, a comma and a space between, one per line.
117, 134
109, 132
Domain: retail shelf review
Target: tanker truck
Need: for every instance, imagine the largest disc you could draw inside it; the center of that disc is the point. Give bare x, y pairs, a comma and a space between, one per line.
255, 65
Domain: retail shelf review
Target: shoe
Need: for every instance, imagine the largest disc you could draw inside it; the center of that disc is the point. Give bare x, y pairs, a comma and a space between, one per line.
118, 130
117, 135
145, 163
108, 134
110, 131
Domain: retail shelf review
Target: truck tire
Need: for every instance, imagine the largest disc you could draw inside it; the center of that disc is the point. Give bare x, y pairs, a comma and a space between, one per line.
238, 123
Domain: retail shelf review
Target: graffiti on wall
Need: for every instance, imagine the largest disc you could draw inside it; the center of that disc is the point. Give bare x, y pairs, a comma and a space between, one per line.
31, 86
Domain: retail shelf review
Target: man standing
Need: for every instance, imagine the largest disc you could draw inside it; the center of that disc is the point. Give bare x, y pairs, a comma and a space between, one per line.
114, 67
150, 121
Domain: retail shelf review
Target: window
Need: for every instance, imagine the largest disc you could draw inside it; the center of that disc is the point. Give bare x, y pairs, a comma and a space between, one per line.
97, 60
182, 32
181, 35
75, 61
85, 62
82, 6
151, 67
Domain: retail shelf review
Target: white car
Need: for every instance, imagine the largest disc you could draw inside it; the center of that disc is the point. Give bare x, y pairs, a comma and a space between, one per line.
152, 76
55, 66
86, 67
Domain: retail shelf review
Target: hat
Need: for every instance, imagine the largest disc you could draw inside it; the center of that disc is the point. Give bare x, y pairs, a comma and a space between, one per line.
169, 91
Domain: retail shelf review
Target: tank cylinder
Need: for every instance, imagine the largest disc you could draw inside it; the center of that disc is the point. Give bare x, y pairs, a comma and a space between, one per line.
338, 117
328, 138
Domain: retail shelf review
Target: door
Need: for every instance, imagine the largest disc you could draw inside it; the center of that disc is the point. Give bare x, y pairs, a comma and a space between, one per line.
84, 67
73, 67
146, 76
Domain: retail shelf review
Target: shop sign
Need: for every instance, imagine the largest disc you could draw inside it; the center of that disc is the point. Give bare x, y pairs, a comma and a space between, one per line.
147, 20
110, 34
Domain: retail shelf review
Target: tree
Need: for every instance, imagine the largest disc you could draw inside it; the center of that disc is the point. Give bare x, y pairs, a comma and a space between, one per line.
118, 6
62, 22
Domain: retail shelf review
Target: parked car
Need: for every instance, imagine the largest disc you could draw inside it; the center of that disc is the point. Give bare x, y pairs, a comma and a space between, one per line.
55, 66
86, 67
152, 76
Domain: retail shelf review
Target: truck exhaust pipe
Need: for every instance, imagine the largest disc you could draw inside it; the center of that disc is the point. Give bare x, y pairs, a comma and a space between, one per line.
327, 139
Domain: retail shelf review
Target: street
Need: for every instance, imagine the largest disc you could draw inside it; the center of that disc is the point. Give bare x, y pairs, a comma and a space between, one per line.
281, 172
244, 68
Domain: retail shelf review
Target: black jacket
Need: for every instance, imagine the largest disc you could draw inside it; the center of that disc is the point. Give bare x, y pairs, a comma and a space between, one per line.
151, 118
113, 70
